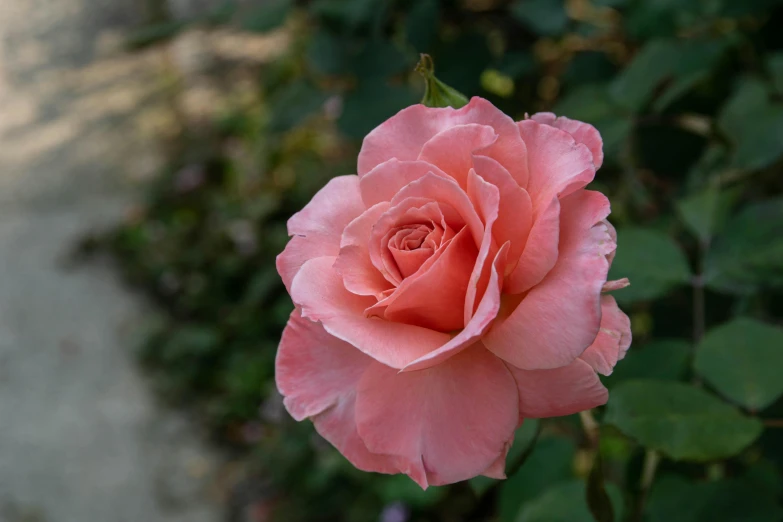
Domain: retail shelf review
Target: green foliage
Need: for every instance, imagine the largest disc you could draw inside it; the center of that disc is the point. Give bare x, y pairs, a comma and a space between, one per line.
742, 359
682, 421
662, 360
688, 98
746, 256
652, 261
566, 502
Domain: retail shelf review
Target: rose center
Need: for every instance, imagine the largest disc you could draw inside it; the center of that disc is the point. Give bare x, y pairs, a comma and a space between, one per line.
411, 245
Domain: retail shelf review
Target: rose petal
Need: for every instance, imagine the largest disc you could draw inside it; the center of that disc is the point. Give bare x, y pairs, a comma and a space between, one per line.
447, 192
497, 470
559, 318
559, 391
317, 228
318, 374
434, 297
540, 253
486, 199
515, 213
353, 263
558, 164
403, 136
478, 324
582, 133
452, 149
386, 179
445, 424
617, 284
409, 211
318, 290
613, 339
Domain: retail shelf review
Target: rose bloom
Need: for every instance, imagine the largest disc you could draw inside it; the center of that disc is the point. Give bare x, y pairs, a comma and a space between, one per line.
450, 290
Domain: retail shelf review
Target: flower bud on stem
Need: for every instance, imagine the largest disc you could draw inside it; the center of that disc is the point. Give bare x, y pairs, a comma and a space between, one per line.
437, 93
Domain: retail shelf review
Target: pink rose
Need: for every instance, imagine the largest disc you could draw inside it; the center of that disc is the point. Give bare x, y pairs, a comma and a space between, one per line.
451, 289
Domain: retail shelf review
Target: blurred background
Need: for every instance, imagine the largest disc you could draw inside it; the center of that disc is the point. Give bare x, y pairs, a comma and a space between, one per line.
151, 153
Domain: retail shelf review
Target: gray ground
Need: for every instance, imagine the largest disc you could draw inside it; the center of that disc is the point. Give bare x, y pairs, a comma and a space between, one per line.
81, 438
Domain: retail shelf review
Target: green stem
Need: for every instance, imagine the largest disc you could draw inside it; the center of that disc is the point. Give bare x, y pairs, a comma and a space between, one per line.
651, 460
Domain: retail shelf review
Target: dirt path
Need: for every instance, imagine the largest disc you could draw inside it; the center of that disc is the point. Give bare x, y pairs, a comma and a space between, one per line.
81, 438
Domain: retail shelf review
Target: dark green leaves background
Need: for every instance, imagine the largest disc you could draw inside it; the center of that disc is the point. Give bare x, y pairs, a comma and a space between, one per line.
688, 96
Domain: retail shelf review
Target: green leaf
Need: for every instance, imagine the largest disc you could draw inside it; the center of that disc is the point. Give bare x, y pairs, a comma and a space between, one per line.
651, 260
681, 421
597, 498
544, 17
753, 124
742, 359
524, 438
676, 499
633, 87
566, 502
291, 106
269, 15
349, 13
550, 462
746, 255
371, 104
421, 24
775, 68
686, 62
327, 53
706, 212
663, 360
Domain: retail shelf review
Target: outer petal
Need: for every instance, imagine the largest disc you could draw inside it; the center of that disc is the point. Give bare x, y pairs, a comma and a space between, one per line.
558, 164
445, 424
402, 136
540, 253
318, 290
613, 340
386, 179
317, 228
582, 133
318, 375
359, 274
559, 318
560, 391
452, 149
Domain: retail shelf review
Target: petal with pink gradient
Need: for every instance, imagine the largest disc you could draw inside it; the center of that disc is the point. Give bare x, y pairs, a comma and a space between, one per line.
558, 164
434, 298
318, 290
448, 193
317, 228
559, 391
317, 374
540, 253
452, 149
515, 212
445, 424
386, 179
559, 318
485, 313
582, 133
486, 199
353, 262
403, 136
613, 339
